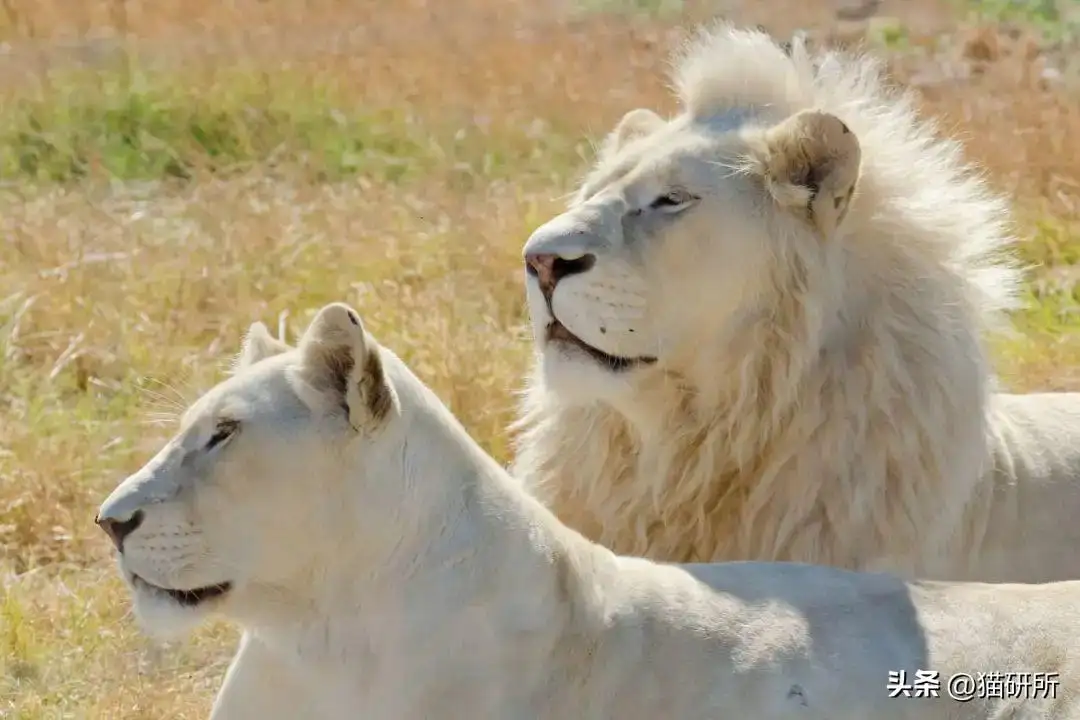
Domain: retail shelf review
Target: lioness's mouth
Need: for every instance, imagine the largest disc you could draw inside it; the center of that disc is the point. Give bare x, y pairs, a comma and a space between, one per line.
557, 332
187, 598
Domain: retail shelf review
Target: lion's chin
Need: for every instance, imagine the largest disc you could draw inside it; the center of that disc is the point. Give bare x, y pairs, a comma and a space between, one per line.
572, 375
169, 613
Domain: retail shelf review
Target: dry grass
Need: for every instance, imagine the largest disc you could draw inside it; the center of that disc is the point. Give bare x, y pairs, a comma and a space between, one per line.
118, 300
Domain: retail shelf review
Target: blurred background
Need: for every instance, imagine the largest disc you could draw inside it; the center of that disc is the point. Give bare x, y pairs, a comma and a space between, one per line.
171, 171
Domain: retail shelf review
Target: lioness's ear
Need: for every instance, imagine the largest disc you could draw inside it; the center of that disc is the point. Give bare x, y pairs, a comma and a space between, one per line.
341, 363
809, 163
634, 124
258, 345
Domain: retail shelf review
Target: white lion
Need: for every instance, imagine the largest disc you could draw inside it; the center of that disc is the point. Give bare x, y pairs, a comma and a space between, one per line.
383, 566
760, 330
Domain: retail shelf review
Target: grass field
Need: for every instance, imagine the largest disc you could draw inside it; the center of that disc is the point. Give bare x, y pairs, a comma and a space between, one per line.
171, 171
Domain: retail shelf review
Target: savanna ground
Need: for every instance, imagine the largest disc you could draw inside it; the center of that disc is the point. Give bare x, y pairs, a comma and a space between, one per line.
172, 170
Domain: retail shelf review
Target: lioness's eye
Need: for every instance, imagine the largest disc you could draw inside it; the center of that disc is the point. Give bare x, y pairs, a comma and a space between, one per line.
673, 199
225, 429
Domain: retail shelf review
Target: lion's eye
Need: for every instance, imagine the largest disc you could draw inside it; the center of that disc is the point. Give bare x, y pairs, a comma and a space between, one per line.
673, 201
225, 429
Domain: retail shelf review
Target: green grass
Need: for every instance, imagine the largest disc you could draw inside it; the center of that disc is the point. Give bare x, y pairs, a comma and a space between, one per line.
1053, 292
1056, 20
649, 8
136, 125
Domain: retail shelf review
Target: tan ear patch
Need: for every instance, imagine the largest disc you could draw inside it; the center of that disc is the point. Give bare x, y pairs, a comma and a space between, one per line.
341, 361
375, 391
810, 162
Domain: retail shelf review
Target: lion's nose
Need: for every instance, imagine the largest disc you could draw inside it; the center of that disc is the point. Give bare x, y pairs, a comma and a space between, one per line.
118, 529
550, 268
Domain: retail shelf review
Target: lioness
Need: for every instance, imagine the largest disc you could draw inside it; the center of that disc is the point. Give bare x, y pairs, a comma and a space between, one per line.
383, 566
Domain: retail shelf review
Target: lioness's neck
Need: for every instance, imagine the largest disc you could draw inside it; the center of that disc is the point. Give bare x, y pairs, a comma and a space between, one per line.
478, 558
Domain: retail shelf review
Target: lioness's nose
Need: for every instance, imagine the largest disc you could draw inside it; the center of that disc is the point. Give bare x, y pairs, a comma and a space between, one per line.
118, 529
549, 268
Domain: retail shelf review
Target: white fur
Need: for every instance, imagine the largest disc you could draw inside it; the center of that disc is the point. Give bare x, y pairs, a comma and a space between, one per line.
385, 567
821, 390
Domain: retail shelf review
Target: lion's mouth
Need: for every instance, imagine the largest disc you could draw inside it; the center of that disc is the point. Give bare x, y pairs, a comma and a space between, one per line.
187, 598
557, 332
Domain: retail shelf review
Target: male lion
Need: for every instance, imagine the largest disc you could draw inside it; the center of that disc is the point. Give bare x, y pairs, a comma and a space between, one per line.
760, 336
384, 567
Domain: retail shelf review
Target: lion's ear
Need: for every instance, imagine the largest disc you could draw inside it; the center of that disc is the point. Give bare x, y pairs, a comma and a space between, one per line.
258, 345
634, 124
809, 163
341, 364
